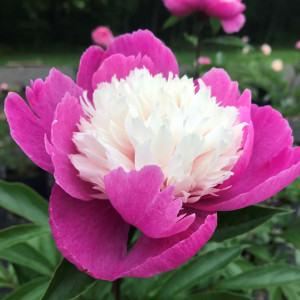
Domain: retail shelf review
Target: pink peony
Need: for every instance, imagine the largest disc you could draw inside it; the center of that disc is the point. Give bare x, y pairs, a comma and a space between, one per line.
202, 60
4, 87
245, 39
297, 45
277, 65
266, 49
132, 144
102, 36
229, 12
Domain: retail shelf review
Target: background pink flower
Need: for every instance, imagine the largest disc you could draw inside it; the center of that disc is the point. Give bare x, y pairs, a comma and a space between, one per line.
102, 36
4, 87
229, 12
266, 49
202, 60
297, 45
245, 39
277, 65
90, 220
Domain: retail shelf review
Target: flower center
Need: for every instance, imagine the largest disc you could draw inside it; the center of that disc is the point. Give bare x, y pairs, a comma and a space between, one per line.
149, 120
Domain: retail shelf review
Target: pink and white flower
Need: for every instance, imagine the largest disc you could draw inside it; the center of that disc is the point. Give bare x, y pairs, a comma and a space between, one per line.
132, 144
102, 36
277, 65
297, 45
266, 49
229, 12
4, 87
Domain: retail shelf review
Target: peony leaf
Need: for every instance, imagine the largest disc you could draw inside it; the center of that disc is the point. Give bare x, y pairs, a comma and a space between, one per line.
171, 21
262, 277
237, 222
292, 236
32, 290
217, 295
22, 233
67, 282
215, 25
23, 201
26, 256
197, 269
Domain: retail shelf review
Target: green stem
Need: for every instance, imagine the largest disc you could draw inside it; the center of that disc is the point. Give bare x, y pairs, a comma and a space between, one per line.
116, 288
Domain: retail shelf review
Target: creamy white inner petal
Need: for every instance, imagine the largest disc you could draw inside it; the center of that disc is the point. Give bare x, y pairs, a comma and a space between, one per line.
149, 120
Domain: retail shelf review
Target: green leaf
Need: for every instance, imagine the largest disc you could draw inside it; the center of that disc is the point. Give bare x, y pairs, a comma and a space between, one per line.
291, 291
262, 277
191, 38
197, 269
5, 283
237, 222
217, 296
32, 290
67, 282
99, 290
292, 236
22, 233
171, 21
27, 256
215, 25
226, 41
23, 201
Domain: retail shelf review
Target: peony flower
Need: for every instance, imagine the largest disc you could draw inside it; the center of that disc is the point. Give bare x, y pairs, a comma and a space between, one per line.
131, 144
266, 49
245, 39
202, 60
4, 87
102, 36
277, 65
297, 45
246, 50
229, 12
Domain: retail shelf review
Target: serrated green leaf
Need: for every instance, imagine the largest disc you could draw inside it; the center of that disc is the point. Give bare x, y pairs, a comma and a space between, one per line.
262, 277
67, 282
197, 269
237, 222
32, 290
217, 296
27, 256
21, 233
171, 21
23, 201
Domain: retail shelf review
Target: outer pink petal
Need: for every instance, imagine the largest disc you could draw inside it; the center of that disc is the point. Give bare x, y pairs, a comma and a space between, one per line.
27, 130
121, 66
233, 25
90, 235
179, 8
150, 257
225, 90
143, 42
273, 165
89, 64
137, 198
67, 116
43, 97
224, 9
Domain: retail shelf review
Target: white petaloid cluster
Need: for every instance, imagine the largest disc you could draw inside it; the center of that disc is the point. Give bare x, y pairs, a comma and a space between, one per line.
149, 120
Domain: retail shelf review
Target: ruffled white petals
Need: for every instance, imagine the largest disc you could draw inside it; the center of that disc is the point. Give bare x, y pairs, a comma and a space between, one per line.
149, 120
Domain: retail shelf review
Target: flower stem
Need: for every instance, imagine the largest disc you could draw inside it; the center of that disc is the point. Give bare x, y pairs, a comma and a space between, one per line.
116, 288
198, 49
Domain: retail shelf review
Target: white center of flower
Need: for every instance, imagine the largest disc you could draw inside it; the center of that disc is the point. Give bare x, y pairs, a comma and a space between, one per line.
149, 120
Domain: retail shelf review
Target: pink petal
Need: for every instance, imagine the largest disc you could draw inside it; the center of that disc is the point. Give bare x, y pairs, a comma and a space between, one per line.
43, 97
150, 257
233, 25
121, 66
178, 8
26, 129
273, 165
225, 90
90, 235
89, 64
66, 118
143, 42
224, 9
137, 198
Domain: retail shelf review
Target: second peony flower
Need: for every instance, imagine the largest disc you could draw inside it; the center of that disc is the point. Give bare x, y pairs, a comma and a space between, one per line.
133, 145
